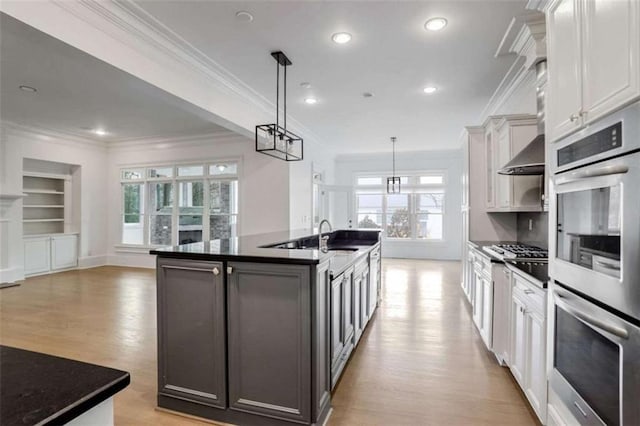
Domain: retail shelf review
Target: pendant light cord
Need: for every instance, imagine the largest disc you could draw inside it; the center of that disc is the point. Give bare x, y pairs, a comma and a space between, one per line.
277, 95
393, 140
285, 98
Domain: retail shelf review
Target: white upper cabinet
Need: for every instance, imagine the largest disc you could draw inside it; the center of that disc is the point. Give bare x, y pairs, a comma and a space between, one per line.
593, 59
505, 137
564, 92
611, 51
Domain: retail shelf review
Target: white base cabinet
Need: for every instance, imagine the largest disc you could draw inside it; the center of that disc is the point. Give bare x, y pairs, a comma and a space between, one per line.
528, 362
48, 253
37, 255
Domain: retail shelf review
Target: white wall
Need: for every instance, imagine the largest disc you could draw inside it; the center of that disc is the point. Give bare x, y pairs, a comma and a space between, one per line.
263, 185
448, 161
317, 160
20, 143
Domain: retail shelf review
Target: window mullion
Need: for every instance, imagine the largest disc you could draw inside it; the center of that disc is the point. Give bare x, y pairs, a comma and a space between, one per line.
206, 221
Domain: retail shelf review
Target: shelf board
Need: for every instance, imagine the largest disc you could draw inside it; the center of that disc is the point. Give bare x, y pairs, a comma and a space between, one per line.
42, 191
46, 175
44, 206
42, 220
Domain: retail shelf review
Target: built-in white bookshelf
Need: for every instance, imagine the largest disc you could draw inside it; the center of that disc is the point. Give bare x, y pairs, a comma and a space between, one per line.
45, 206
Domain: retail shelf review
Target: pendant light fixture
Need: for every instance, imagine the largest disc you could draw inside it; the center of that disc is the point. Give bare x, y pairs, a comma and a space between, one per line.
273, 139
393, 182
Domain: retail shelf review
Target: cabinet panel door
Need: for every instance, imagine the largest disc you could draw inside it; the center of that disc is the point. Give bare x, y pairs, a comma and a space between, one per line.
611, 63
269, 325
347, 308
503, 183
321, 342
487, 312
191, 331
536, 389
564, 94
337, 337
490, 178
518, 341
358, 324
364, 298
37, 256
477, 304
64, 252
374, 281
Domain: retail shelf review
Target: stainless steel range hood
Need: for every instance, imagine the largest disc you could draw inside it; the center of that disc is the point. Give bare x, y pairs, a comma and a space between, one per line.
530, 161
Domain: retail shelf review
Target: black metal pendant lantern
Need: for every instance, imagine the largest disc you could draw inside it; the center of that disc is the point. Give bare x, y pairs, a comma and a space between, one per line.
393, 182
273, 139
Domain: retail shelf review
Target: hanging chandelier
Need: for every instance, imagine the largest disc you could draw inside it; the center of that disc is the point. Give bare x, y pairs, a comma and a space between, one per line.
393, 182
273, 139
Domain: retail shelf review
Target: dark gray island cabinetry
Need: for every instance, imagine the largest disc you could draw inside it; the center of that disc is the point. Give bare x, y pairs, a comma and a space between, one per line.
257, 330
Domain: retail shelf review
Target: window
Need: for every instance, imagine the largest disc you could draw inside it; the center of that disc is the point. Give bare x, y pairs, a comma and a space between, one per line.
415, 214
132, 213
160, 213
184, 207
370, 209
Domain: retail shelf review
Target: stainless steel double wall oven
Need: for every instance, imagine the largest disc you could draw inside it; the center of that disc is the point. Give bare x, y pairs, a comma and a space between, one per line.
595, 269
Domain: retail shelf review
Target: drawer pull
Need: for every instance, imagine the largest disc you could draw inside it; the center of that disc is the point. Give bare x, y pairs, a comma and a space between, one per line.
528, 291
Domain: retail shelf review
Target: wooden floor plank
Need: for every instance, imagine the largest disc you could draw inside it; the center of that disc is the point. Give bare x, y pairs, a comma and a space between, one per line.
420, 361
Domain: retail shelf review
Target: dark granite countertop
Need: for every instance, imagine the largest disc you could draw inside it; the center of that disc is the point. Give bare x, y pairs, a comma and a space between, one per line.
37, 388
537, 273
250, 248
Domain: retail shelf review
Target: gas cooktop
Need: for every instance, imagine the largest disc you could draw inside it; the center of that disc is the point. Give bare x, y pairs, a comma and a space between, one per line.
517, 252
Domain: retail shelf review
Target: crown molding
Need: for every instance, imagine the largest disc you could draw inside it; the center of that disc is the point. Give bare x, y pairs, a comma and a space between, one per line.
165, 142
131, 25
51, 135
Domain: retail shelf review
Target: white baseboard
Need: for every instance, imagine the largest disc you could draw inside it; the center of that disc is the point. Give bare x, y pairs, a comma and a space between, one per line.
92, 261
132, 260
11, 275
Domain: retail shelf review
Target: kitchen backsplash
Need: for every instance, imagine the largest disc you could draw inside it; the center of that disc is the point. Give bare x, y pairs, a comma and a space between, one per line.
533, 229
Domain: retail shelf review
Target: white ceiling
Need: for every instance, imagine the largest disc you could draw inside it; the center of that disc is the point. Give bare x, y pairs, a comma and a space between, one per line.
78, 93
390, 55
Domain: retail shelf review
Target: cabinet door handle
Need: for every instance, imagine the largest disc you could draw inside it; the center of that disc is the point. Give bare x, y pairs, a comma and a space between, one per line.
229, 270
528, 291
216, 271
574, 117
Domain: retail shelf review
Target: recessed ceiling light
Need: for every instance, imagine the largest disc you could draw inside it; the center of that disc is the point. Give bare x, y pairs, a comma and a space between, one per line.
430, 89
341, 38
28, 89
305, 85
367, 95
435, 24
310, 101
100, 132
244, 16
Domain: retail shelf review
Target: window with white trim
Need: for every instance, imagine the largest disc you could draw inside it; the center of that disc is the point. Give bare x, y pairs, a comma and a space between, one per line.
417, 213
179, 204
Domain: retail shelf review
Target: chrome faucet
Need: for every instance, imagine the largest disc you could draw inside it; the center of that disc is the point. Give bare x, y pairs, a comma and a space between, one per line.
323, 242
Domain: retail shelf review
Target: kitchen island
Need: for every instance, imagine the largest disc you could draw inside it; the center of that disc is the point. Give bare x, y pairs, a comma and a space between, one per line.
258, 329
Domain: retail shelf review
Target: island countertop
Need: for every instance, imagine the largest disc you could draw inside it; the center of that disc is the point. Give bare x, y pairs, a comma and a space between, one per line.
37, 388
251, 248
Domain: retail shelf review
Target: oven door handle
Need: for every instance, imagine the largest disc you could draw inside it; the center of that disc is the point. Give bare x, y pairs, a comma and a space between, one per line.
560, 299
592, 172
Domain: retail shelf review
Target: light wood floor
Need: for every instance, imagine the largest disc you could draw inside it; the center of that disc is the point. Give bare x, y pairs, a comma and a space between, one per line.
420, 361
